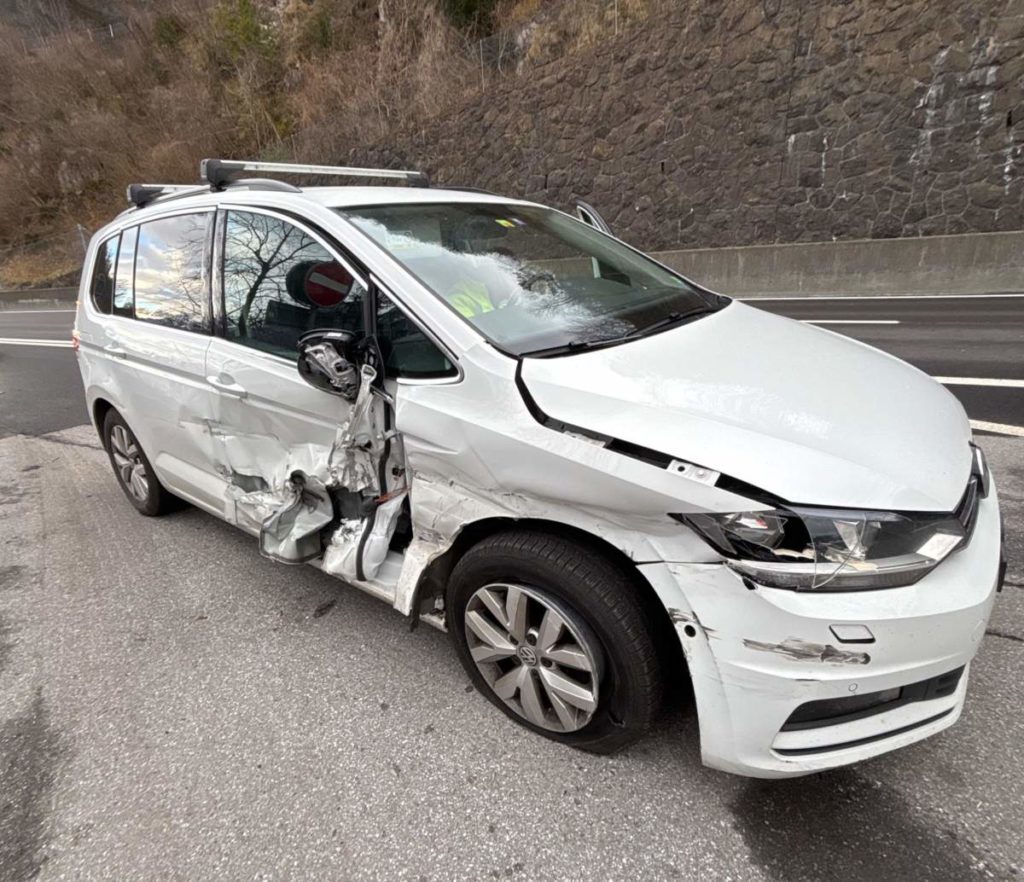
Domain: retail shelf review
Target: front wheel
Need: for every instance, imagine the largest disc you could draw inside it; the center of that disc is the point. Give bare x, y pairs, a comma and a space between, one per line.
555, 635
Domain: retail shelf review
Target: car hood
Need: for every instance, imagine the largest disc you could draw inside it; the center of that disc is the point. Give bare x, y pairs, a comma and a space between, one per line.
807, 415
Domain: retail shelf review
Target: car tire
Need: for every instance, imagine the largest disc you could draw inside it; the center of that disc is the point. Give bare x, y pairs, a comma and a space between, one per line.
132, 468
599, 622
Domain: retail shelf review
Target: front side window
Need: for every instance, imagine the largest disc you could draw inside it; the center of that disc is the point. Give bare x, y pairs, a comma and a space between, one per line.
170, 278
124, 297
280, 282
406, 350
101, 287
530, 279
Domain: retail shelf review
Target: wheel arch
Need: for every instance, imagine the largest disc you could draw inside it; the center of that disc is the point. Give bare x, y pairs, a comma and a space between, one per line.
99, 410
434, 579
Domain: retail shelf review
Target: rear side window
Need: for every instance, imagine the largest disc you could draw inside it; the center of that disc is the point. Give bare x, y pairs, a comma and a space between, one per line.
123, 298
170, 277
279, 282
101, 288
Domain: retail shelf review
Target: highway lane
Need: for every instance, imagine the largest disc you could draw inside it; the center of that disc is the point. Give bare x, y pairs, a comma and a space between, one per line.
40, 387
964, 337
972, 337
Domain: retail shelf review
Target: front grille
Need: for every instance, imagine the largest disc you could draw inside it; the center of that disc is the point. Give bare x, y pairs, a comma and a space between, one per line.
833, 711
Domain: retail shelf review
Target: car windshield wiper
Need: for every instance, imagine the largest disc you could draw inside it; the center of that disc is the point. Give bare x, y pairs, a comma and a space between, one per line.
572, 347
662, 324
668, 321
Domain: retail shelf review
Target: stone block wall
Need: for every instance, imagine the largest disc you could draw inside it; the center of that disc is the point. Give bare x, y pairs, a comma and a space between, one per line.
760, 121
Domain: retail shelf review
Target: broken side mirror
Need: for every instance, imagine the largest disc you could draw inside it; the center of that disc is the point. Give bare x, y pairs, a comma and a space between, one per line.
328, 361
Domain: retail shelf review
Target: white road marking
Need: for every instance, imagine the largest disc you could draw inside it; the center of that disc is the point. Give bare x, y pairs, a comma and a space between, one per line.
4, 312
979, 381
998, 428
850, 321
17, 341
813, 297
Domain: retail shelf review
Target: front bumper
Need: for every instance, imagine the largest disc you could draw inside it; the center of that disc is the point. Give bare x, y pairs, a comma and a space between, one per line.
755, 656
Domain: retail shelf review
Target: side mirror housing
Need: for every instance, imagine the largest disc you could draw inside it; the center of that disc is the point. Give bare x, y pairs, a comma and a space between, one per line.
328, 362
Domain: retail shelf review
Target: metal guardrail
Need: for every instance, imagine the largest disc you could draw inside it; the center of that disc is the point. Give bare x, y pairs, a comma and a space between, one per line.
110, 32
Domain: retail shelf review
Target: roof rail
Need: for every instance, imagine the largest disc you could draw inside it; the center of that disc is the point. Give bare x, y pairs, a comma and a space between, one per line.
469, 190
220, 172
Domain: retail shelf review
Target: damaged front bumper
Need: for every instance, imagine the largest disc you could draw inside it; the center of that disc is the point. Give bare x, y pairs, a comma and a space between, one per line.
779, 694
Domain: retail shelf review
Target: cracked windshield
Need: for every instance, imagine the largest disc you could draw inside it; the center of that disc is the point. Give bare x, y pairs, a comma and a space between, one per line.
533, 281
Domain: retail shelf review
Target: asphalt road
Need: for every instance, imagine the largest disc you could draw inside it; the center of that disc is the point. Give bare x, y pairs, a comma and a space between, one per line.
173, 706
40, 387
969, 338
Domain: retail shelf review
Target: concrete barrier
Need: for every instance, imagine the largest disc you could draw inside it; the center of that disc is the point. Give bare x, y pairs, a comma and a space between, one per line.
978, 263
41, 296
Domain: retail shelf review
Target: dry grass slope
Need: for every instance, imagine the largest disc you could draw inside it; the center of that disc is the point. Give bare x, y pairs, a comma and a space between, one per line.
297, 79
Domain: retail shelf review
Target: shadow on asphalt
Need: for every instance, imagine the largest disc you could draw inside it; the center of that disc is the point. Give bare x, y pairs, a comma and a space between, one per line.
31, 750
841, 824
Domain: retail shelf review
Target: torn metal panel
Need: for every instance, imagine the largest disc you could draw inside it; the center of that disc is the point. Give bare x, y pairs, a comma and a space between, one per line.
805, 650
285, 491
291, 531
358, 546
375, 545
353, 459
340, 558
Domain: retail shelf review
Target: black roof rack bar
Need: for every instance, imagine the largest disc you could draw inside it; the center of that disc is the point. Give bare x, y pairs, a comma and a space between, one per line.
142, 194
220, 172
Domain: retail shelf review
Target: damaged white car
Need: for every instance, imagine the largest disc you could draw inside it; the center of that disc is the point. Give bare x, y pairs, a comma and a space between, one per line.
594, 473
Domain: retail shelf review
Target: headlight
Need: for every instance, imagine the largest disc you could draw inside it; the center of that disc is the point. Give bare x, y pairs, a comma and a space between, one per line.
810, 549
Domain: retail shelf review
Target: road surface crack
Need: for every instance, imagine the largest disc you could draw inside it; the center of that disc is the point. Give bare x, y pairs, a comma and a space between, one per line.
1006, 635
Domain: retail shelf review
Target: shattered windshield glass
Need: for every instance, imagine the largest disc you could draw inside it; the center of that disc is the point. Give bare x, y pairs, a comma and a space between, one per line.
532, 280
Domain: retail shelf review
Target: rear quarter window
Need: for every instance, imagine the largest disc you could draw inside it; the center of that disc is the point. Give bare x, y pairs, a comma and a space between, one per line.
123, 297
101, 286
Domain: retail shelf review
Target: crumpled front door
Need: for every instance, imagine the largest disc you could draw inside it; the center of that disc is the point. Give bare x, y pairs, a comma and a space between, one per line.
299, 464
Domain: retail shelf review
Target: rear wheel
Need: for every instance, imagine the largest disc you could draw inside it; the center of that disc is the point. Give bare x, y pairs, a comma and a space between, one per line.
132, 468
556, 636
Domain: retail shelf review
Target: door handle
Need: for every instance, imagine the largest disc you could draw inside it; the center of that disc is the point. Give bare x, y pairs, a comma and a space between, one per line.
227, 387
115, 350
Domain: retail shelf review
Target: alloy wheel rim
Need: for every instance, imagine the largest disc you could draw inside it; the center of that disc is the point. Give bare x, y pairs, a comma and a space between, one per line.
128, 462
535, 655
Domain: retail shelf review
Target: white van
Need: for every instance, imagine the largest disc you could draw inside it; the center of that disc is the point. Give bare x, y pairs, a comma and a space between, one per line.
592, 472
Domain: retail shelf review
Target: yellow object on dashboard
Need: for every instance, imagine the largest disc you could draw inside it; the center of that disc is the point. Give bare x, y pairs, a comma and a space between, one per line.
470, 298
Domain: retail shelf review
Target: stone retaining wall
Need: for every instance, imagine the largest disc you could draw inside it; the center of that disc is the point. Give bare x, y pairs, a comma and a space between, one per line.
744, 122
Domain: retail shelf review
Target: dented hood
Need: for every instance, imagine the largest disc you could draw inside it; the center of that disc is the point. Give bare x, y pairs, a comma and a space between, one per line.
808, 415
